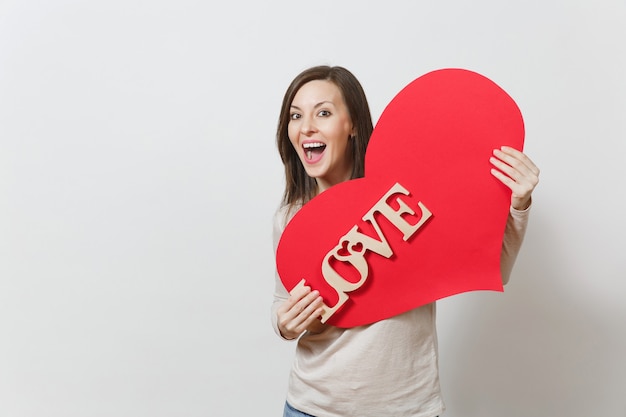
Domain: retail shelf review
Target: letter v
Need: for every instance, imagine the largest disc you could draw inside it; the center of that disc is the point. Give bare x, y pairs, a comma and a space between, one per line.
380, 247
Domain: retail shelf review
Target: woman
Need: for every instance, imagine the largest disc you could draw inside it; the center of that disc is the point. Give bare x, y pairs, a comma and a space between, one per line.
388, 368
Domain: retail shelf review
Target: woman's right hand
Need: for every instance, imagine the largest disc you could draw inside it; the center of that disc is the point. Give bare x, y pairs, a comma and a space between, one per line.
299, 312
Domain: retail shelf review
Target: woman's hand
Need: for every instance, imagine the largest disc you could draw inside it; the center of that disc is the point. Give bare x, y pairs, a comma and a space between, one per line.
300, 312
516, 171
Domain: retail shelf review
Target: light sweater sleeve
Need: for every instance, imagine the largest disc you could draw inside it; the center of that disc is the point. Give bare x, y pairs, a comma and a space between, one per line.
514, 233
280, 292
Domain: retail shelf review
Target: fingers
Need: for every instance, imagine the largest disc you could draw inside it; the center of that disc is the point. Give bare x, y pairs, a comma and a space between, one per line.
299, 311
518, 172
512, 162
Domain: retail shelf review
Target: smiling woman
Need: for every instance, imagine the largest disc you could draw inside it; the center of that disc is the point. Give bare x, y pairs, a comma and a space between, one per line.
390, 367
322, 101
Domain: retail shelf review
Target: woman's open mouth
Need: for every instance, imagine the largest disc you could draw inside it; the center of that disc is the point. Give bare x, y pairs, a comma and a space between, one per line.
313, 151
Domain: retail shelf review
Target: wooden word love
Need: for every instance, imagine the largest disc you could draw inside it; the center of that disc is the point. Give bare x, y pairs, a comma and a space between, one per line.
357, 244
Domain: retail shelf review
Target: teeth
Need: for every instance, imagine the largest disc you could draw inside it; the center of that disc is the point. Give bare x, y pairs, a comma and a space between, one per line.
313, 145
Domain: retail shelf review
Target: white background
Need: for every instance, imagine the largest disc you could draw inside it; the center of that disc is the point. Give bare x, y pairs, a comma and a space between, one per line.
139, 175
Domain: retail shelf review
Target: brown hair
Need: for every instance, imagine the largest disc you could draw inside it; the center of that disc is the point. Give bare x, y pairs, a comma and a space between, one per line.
299, 187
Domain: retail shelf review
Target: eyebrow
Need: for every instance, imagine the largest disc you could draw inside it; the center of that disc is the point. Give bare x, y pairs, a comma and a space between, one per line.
321, 103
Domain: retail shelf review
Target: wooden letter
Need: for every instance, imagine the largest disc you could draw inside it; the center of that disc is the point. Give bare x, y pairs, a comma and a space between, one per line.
394, 216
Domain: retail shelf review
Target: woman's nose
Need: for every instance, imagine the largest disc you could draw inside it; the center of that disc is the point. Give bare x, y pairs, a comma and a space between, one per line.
308, 126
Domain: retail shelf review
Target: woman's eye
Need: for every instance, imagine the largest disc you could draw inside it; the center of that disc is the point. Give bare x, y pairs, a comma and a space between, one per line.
294, 116
324, 113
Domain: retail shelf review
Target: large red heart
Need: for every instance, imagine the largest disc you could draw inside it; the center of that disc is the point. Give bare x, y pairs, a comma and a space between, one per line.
430, 151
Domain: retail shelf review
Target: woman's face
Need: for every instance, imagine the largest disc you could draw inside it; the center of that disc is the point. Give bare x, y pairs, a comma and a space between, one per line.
319, 130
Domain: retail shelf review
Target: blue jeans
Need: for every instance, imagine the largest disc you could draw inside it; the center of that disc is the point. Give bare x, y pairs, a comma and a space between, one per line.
292, 412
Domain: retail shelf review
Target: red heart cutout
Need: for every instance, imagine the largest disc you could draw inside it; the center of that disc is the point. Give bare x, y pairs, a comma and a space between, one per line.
373, 257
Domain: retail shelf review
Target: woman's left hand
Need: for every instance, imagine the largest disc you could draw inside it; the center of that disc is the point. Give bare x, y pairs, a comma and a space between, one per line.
516, 171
